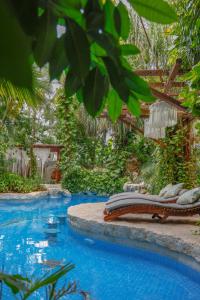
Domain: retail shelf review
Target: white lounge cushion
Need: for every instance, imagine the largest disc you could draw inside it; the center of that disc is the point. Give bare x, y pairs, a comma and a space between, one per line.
165, 190
182, 191
189, 197
133, 195
173, 191
124, 199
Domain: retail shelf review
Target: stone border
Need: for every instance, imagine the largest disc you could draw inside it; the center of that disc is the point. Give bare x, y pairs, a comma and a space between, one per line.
88, 218
23, 196
50, 191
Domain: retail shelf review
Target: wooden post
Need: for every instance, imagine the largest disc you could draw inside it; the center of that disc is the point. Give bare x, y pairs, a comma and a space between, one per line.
174, 72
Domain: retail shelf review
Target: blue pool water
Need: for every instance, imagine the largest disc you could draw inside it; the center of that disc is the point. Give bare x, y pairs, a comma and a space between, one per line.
106, 270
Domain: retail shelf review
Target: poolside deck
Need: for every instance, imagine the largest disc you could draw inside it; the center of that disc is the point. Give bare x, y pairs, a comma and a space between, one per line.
177, 234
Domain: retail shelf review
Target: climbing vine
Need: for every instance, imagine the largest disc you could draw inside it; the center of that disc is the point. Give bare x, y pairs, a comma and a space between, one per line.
66, 130
169, 164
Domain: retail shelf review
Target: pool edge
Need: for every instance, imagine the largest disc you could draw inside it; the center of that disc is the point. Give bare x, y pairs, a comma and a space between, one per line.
168, 245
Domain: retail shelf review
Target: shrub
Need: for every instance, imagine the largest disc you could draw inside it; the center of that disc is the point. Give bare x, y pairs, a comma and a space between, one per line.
10, 182
100, 181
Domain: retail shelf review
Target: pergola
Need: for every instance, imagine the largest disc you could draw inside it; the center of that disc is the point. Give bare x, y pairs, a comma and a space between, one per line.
165, 86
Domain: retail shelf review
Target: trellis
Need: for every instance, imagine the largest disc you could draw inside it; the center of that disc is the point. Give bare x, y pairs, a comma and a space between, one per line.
167, 89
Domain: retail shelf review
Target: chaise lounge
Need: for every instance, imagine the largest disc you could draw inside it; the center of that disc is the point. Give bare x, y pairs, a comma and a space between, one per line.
158, 210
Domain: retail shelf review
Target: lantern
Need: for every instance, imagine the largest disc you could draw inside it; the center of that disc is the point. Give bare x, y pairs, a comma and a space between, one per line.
162, 114
153, 132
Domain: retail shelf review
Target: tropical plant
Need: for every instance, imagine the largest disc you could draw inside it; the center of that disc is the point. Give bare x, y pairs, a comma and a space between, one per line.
89, 51
23, 288
186, 31
14, 98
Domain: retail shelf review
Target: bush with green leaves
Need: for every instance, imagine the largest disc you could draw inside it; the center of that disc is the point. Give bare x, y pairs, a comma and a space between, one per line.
10, 182
88, 163
100, 181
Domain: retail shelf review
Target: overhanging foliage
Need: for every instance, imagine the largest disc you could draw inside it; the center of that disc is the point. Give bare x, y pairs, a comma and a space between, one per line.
89, 51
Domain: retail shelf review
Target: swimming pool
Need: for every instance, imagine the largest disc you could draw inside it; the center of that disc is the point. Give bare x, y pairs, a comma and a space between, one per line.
106, 270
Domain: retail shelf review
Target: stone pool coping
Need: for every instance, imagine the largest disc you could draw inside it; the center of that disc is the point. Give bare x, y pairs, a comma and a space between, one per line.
175, 235
50, 189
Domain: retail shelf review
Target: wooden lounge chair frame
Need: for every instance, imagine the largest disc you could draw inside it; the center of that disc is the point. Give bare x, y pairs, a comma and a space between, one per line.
159, 212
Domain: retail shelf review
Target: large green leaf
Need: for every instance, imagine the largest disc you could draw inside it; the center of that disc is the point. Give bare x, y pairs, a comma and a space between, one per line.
94, 91
129, 49
46, 38
15, 51
77, 49
137, 84
148, 98
98, 62
72, 9
94, 15
122, 21
97, 50
117, 78
157, 11
72, 84
58, 61
27, 12
107, 42
109, 18
134, 106
114, 104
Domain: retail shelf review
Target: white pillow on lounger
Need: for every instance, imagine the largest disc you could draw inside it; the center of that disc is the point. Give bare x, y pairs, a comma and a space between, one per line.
174, 190
189, 197
171, 190
182, 191
165, 190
